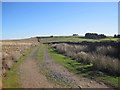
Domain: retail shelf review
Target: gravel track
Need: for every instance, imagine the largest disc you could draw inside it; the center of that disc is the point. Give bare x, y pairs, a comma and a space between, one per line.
30, 75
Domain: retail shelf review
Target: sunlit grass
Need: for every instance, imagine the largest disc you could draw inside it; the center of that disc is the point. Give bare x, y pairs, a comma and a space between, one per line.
75, 39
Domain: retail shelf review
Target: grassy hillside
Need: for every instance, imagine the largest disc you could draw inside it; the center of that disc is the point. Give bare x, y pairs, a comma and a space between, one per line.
73, 39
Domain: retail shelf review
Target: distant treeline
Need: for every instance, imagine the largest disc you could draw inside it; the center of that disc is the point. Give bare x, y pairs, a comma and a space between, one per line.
87, 36
117, 36
94, 36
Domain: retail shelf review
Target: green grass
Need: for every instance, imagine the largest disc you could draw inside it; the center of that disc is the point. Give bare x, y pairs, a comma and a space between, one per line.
111, 80
12, 76
75, 39
40, 61
40, 54
82, 70
111, 39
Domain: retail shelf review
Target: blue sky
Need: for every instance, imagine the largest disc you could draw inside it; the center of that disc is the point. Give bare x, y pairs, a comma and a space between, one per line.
29, 19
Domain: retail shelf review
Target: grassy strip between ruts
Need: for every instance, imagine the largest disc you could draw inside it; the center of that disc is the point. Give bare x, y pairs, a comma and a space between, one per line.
12, 76
40, 54
82, 70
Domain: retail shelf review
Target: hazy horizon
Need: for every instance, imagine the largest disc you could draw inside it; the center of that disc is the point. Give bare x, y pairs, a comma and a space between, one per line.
30, 19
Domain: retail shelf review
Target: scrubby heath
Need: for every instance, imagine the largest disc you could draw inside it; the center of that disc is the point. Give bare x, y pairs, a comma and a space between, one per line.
104, 58
83, 65
12, 50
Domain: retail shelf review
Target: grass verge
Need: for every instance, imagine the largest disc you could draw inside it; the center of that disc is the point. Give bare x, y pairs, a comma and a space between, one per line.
12, 76
83, 70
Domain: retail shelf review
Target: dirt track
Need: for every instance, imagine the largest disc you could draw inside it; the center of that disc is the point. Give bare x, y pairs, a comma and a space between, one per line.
31, 77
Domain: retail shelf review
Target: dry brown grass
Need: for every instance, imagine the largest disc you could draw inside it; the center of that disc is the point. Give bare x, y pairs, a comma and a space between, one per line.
102, 58
12, 50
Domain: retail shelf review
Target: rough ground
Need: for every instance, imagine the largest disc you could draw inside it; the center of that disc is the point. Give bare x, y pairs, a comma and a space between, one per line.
31, 77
